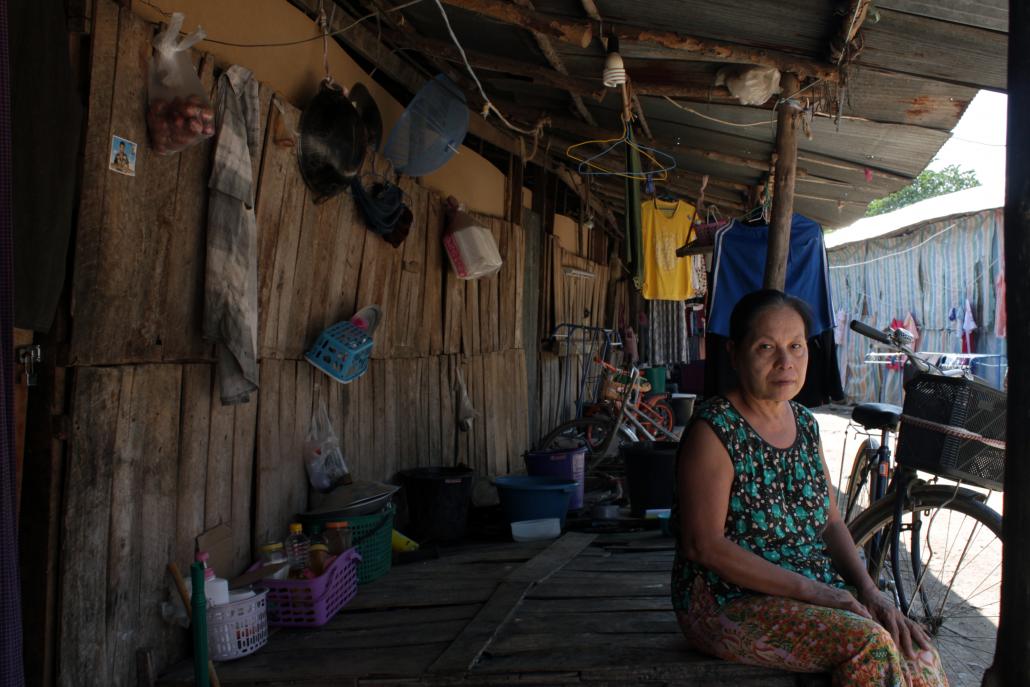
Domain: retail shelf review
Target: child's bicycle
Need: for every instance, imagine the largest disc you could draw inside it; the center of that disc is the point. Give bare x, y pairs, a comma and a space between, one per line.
624, 415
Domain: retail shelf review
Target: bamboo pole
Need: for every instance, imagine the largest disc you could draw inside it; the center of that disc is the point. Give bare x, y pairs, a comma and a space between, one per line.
783, 201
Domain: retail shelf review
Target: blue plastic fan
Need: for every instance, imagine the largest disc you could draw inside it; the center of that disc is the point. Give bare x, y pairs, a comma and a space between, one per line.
430, 130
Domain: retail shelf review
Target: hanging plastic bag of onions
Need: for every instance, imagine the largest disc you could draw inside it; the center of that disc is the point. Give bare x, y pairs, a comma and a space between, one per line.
179, 112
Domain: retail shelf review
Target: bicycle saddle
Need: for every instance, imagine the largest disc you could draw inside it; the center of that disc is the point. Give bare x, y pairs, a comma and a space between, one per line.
877, 416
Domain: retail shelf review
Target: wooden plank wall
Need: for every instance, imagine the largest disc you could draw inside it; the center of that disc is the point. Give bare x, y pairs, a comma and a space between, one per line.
567, 299
154, 458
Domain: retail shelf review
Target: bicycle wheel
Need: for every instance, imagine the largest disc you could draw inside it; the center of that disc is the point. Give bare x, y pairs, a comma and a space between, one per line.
594, 432
657, 413
857, 497
949, 570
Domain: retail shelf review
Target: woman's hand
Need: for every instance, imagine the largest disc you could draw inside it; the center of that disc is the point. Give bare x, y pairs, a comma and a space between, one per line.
820, 594
905, 631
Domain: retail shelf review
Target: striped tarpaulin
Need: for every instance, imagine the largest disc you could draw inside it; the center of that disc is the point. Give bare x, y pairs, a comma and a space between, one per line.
925, 271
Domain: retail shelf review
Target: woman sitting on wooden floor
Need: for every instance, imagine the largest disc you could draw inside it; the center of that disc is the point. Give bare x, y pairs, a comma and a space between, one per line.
762, 553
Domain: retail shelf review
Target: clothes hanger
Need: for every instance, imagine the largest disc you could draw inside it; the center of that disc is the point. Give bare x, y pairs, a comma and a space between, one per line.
661, 163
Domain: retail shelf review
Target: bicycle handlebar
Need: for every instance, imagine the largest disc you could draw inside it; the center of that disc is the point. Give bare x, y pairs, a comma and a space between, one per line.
865, 330
920, 363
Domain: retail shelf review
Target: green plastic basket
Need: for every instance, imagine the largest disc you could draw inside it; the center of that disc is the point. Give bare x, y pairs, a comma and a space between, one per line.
372, 536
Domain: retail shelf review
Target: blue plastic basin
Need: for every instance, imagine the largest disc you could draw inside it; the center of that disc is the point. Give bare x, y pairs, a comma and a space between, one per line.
534, 498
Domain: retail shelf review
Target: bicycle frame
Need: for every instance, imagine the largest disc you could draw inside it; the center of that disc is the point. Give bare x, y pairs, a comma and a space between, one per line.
629, 410
883, 482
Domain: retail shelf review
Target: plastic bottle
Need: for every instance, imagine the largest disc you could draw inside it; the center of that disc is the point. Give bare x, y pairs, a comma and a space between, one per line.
297, 549
216, 589
316, 535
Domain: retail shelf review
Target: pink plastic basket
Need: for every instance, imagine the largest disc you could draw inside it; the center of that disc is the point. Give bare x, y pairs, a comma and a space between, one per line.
310, 603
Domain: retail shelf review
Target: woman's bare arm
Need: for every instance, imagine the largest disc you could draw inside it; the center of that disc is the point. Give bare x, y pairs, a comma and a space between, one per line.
704, 482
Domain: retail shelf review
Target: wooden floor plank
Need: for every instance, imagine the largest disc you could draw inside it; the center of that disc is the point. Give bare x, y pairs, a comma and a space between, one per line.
462, 654
349, 618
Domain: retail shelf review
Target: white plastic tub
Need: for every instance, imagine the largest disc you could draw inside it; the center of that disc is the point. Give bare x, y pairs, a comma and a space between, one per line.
535, 530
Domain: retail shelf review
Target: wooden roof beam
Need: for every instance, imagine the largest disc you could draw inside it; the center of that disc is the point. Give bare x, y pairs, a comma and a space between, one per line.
841, 45
577, 33
588, 132
718, 51
585, 87
555, 60
580, 33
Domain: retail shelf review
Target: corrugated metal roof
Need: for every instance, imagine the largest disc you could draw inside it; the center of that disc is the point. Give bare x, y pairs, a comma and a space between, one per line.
920, 65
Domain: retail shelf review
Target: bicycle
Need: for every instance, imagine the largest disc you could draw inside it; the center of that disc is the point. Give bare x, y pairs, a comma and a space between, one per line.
933, 548
652, 410
631, 421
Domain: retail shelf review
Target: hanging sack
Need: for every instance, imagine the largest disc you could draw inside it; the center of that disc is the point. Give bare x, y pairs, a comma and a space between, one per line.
179, 112
323, 458
470, 246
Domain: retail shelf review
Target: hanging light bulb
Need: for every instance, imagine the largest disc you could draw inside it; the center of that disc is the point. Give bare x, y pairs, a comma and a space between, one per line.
614, 74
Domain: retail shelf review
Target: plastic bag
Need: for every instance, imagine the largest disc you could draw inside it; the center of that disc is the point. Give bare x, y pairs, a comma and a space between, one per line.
323, 458
471, 248
751, 85
179, 112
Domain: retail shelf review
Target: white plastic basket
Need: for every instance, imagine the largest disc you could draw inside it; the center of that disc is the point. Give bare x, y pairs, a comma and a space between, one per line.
238, 628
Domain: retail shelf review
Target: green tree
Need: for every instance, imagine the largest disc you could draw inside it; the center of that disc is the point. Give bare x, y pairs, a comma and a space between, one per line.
928, 184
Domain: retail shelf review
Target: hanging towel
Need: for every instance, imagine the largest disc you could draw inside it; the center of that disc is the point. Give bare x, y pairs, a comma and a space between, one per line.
230, 286
968, 327
739, 264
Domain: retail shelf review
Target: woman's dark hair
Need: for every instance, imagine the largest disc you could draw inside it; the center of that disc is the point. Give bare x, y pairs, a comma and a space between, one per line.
750, 306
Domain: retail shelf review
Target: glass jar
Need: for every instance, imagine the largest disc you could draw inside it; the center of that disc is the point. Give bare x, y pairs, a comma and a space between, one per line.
318, 556
338, 536
275, 554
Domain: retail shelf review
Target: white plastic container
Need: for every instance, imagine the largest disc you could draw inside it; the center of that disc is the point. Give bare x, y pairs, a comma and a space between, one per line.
471, 248
536, 530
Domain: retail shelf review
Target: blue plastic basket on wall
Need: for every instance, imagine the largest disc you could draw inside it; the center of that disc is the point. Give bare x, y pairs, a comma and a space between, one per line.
341, 351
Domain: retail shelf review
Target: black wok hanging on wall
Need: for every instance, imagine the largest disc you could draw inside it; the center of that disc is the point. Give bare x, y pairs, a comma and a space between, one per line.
333, 142
369, 113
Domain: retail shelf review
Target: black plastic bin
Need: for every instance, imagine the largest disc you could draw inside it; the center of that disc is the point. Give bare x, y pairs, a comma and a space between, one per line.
438, 502
650, 474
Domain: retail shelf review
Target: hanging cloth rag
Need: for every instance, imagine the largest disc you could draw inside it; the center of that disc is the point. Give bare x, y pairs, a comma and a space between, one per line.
384, 210
668, 343
968, 327
230, 285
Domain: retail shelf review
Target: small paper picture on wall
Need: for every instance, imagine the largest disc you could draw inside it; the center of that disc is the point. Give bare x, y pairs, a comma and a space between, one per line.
123, 156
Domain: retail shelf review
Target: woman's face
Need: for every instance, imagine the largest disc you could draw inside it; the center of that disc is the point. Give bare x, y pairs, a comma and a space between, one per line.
771, 362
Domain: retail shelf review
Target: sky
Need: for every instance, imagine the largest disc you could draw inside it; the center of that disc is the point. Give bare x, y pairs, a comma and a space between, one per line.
978, 140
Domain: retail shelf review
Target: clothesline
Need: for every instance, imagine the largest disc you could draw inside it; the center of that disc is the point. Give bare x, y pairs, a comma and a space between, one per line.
894, 255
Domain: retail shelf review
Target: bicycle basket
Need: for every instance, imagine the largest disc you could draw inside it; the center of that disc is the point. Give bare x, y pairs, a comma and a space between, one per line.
616, 385
957, 403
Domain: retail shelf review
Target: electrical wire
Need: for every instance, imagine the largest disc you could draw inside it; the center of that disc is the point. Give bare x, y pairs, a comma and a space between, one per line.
286, 44
489, 107
715, 119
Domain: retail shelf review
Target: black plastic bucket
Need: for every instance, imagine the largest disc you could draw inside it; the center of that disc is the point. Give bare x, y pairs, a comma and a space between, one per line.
650, 474
438, 502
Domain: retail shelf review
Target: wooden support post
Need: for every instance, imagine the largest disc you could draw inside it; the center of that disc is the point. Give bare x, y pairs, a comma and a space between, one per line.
1012, 656
783, 201
515, 170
